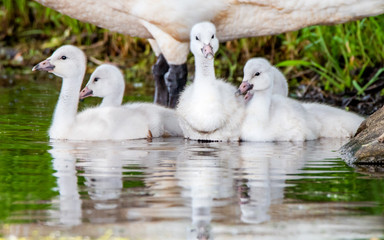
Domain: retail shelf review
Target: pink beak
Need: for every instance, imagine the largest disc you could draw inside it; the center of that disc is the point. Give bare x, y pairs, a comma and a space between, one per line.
86, 92
244, 87
207, 51
248, 96
44, 66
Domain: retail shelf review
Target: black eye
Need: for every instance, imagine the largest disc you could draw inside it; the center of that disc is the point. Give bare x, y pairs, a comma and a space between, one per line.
197, 38
257, 74
213, 36
63, 57
96, 79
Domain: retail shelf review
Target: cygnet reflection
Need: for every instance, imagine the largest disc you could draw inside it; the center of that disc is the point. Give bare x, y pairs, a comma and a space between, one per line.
205, 173
100, 164
264, 170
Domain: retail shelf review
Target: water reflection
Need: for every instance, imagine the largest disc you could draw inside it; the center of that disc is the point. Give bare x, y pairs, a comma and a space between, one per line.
174, 189
264, 168
198, 187
205, 171
101, 165
66, 209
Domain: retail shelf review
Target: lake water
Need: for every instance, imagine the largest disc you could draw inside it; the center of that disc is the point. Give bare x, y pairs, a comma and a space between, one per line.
172, 188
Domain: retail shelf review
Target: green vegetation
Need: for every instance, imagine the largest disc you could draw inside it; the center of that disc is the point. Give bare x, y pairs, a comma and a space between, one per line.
346, 58
337, 185
341, 54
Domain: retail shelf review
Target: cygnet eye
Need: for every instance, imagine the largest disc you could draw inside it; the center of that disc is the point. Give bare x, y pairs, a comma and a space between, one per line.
63, 57
95, 79
197, 38
213, 36
257, 74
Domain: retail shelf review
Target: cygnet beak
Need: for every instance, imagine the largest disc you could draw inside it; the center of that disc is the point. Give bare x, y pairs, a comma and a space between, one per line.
207, 51
44, 66
248, 96
243, 88
86, 92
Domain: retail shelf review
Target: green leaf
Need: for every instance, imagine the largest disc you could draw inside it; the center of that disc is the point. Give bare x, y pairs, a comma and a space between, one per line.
293, 63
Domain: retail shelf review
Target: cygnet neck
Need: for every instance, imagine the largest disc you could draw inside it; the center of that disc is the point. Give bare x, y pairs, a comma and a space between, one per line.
112, 101
204, 68
260, 104
66, 108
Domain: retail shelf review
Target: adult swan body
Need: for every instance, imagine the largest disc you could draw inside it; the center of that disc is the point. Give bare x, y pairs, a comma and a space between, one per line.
167, 24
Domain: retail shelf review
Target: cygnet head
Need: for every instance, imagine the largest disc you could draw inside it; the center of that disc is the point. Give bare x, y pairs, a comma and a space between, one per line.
204, 42
258, 76
67, 62
106, 81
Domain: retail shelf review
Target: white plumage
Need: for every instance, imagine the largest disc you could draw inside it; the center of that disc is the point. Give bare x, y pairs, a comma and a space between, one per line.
334, 122
108, 83
274, 117
100, 123
280, 84
168, 23
208, 108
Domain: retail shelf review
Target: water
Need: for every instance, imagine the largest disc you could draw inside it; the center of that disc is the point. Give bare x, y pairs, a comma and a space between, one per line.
172, 188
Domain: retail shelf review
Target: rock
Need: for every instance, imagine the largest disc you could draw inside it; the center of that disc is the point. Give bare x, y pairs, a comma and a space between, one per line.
373, 171
367, 146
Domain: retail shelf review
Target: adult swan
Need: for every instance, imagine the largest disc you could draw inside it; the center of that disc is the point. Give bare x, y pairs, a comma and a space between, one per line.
167, 24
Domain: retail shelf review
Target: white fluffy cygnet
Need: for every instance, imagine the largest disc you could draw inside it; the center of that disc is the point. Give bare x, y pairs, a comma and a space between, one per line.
107, 82
273, 117
208, 108
100, 123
